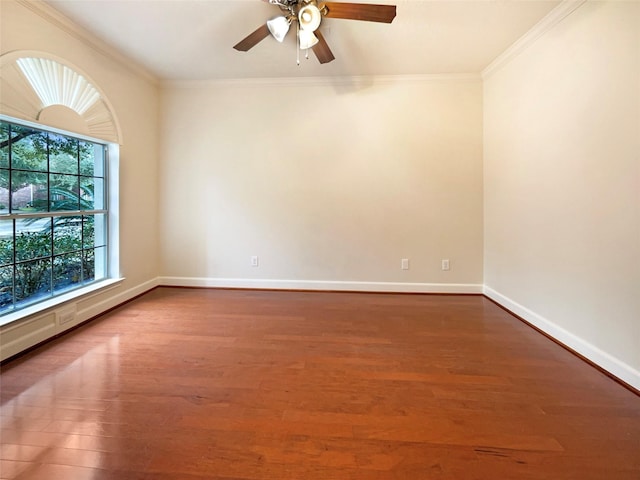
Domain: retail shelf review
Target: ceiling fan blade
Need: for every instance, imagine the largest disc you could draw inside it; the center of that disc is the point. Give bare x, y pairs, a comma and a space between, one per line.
361, 11
322, 50
253, 39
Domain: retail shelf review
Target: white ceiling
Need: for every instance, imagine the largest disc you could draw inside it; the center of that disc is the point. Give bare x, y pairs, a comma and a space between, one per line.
193, 39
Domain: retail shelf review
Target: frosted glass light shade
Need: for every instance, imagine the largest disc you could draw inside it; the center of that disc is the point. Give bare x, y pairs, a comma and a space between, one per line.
307, 39
309, 17
278, 27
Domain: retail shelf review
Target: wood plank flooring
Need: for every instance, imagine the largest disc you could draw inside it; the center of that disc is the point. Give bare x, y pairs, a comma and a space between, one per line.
256, 385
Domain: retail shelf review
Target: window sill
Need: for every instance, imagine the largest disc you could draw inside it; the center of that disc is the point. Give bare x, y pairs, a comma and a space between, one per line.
93, 289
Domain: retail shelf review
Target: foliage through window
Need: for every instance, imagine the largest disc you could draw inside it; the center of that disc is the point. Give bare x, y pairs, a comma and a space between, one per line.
53, 216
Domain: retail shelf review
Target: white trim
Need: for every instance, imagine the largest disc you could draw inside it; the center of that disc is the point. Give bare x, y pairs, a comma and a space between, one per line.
111, 302
616, 367
59, 20
562, 11
332, 285
78, 295
351, 81
41, 126
100, 121
51, 322
29, 331
112, 165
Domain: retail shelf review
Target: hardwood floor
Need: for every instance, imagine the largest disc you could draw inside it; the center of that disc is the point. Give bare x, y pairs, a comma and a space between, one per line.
214, 384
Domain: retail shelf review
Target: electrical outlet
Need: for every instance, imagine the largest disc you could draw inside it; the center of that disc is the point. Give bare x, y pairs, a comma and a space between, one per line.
254, 261
445, 264
404, 264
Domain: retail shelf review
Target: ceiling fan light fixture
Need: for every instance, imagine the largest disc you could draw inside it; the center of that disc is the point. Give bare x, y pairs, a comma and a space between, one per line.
279, 27
307, 39
309, 17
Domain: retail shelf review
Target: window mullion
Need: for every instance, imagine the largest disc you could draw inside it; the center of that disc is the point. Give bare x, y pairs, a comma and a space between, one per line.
49, 179
81, 217
13, 302
13, 221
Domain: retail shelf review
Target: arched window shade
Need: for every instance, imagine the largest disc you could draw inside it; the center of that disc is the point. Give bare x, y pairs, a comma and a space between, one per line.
43, 89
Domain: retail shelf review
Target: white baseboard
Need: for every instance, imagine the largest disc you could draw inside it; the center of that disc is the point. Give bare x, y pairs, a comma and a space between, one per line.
97, 308
22, 335
614, 366
393, 287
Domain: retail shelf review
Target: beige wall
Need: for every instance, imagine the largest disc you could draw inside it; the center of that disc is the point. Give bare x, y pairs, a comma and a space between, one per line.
562, 184
135, 102
331, 184
326, 183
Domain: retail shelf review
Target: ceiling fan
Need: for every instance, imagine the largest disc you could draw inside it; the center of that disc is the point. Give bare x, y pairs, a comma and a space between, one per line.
308, 15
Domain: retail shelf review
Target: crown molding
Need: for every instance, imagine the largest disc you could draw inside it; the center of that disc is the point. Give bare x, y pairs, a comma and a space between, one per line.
347, 82
562, 11
68, 26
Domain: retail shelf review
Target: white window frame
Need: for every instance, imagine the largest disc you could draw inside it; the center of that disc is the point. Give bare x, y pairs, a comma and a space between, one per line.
113, 274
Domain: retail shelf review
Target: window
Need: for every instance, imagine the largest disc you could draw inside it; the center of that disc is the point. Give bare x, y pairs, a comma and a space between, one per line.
53, 214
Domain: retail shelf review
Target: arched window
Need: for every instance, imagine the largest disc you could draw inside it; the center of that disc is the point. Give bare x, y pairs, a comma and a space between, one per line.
58, 195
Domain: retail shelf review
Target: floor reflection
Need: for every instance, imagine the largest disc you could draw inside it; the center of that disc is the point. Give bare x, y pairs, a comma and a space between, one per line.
65, 415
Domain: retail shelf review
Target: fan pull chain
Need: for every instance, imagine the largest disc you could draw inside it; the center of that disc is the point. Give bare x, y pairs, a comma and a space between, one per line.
298, 43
